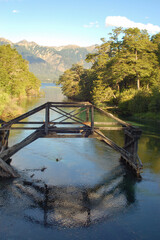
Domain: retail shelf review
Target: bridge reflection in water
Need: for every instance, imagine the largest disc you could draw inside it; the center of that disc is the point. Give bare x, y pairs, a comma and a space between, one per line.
72, 206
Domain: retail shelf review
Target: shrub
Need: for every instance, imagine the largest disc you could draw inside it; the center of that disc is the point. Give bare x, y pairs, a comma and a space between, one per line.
154, 105
139, 103
134, 101
124, 101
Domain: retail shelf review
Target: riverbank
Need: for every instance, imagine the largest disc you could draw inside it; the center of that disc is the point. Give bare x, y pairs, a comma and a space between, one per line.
12, 107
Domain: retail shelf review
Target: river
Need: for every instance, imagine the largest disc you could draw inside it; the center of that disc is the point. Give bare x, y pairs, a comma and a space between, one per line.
77, 188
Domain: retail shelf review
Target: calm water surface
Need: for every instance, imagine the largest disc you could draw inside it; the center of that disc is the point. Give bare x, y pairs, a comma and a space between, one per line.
77, 188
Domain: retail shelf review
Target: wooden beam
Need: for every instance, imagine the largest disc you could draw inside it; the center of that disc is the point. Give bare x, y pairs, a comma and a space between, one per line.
8, 171
21, 128
66, 130
62, 105
46, 118
50, 135
123, 123
25, 115
30, 122
6, 154
70, 103
113, 144
69, 117
106, 123
111, 128
87, 114
50, 123
72, 115
92, 119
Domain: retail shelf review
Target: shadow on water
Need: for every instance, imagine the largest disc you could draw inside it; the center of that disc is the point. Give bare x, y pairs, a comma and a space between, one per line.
68, 206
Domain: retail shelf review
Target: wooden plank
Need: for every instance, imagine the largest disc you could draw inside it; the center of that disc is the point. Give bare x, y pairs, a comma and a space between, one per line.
64, 136
106, 123
21, 128
65, 131
111, 128
64, 123
70, 105
29, 122
69, 130
38, 123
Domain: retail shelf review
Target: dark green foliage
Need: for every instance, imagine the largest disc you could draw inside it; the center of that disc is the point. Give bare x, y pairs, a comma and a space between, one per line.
154, 104
141, 101
15, 78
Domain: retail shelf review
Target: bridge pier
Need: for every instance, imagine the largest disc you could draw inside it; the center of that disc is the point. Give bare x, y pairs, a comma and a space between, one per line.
5, 169
132, 136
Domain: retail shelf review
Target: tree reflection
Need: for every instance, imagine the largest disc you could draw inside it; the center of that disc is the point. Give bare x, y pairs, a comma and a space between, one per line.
149, 152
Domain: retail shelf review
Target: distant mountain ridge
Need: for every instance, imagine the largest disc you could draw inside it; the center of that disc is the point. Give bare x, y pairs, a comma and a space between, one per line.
47, 63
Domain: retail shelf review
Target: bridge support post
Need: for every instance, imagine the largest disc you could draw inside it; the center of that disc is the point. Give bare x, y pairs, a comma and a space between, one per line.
46, 118
132, 135
92, 118
4, 135
87, 114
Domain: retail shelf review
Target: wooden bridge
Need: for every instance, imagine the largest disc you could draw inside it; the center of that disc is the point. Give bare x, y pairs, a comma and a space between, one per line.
75, 120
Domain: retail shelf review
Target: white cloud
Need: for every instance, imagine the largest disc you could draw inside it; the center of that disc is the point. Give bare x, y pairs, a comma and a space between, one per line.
92, 24
118, 21
15, 11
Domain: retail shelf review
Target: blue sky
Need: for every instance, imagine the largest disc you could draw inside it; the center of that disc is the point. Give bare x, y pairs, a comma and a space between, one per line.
79, 22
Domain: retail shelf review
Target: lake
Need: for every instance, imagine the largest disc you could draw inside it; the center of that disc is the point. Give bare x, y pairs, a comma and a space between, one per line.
77, 188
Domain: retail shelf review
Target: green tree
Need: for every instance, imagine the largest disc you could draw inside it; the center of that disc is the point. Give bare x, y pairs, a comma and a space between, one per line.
138, 53
70, 80
15, 78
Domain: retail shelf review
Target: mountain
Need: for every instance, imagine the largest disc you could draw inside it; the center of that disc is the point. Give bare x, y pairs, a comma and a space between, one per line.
47, 63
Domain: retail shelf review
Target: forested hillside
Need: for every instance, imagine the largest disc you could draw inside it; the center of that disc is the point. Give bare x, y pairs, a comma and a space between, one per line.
48, 63
125, 72
15, 79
